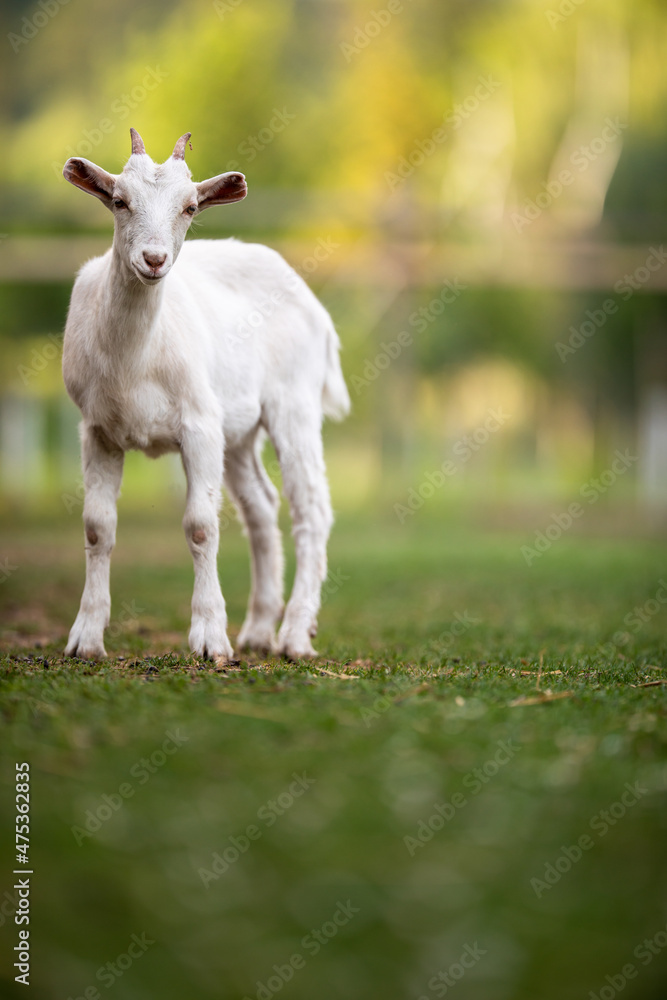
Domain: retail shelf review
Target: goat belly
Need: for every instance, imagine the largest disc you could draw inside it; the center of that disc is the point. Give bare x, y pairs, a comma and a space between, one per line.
152, 445
159, 446
153, 437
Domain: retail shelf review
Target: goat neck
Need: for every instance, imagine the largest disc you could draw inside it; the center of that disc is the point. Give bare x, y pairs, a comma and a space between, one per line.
130, 308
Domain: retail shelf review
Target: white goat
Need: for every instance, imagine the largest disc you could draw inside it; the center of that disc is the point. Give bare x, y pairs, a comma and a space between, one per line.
206, 360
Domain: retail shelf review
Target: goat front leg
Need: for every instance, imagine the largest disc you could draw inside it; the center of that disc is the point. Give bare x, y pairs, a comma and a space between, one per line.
102, 475
202, 454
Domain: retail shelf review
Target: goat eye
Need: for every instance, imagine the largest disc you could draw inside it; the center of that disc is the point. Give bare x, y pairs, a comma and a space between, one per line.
191, 209
119, 203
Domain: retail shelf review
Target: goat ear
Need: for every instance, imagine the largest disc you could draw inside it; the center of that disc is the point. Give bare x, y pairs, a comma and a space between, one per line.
90, 178
221, 190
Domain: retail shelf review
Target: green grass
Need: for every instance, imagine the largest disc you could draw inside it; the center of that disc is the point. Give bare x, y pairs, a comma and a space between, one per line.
417, 724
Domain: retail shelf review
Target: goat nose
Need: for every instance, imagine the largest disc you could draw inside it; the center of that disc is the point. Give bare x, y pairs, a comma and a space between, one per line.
154, 260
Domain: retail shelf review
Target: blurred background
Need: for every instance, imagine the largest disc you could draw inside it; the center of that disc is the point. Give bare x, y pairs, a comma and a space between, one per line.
475, 189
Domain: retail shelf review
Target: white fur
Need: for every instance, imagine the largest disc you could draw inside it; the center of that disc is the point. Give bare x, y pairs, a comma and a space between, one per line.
206, 360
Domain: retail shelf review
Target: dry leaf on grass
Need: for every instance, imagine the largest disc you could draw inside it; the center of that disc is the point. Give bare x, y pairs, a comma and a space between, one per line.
540, 699
342, 677
221, 662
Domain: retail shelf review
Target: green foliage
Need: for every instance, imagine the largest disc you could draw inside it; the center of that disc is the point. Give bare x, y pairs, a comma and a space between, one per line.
360, 98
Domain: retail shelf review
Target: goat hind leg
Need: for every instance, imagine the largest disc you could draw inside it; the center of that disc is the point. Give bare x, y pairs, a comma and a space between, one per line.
257, 501
298, 443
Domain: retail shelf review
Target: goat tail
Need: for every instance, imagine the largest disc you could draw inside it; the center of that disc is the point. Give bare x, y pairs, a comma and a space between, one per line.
335, 397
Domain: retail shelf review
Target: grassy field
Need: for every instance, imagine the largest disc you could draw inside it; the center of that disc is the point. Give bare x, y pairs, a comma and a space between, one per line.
464, 796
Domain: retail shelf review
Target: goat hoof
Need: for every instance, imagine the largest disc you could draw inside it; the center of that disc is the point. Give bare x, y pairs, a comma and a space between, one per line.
218, 654
83, 652
85, 641
210, 641
296, 647
259, 638
224, 661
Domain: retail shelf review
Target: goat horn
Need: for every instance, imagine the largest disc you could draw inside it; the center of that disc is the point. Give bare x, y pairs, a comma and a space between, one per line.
137, 142
179, 148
